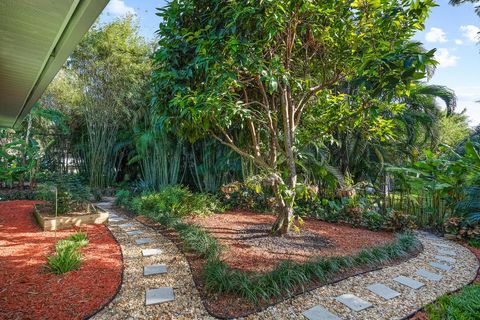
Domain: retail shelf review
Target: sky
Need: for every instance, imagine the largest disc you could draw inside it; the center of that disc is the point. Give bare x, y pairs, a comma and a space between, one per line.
453, 31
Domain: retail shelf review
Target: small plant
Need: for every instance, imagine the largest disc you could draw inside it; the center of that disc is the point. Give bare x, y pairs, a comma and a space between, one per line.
67, 257
79, 238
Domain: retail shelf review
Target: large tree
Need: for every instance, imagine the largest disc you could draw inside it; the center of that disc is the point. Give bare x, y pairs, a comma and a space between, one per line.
256, 67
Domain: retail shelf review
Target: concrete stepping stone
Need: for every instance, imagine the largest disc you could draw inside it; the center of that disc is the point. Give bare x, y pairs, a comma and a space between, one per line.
445, 259
154, 269
443, 245
440, 266
447, 252
409, 282
126, 225
134, 232
151, 252
143, 241
319, 313
353, 302
383, 291
429, 275
159, 295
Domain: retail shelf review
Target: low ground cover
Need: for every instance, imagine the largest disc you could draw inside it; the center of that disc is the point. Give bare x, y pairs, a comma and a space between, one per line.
30, 290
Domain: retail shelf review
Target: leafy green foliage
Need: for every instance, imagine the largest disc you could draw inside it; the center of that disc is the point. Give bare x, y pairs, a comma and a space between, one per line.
67, 257
464, 305
177, 201
122, 198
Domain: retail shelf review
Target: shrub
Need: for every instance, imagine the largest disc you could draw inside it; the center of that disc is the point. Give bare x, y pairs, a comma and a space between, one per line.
178, 201
122, 198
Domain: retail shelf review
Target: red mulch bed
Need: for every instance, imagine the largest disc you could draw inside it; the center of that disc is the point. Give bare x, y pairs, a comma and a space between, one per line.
249, 246
29, 291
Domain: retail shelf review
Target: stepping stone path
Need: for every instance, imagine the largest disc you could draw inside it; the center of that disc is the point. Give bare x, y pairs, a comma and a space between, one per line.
353, 302
383, 291
154, 269
409, 282
152, 296
159, 295
429, 275
319, 313
143, 241
440, 266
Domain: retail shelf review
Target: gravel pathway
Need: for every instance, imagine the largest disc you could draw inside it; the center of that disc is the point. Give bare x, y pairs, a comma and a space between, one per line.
130, 302
442, 267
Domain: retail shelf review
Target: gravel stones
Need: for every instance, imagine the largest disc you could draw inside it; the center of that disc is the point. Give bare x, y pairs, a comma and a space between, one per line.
129, 303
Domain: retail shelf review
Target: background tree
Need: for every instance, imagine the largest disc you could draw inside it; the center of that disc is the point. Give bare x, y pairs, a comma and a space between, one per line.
259, 66
111, 64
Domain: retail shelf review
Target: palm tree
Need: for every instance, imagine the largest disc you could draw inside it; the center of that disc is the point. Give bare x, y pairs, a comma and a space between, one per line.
459, 2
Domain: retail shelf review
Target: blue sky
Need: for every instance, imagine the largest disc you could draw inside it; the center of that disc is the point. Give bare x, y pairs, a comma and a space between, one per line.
452, 30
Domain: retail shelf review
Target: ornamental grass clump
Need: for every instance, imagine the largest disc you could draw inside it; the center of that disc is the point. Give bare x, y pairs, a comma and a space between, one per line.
67, 256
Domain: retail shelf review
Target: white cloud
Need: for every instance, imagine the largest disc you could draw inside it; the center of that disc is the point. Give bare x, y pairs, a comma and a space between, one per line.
445, 58
119, 8
470, 32
467, 97
436, 35
459, 41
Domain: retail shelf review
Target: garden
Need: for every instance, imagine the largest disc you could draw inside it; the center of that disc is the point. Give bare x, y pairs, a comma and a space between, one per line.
256, 160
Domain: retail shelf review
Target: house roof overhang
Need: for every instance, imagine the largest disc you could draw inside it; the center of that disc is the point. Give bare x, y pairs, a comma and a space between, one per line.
36, 38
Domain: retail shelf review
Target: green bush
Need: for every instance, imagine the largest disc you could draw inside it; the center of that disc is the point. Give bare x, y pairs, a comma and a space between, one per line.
67, 257
122, 198
465, 305
178, 201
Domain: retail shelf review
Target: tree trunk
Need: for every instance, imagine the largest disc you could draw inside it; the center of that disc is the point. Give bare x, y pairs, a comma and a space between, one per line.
284, 217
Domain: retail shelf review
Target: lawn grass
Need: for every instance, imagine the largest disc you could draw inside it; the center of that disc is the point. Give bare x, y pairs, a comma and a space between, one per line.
465, 305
